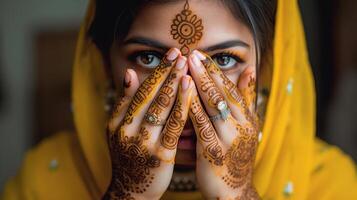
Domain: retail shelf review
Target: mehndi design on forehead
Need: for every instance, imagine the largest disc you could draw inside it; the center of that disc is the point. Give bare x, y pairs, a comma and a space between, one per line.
187, 29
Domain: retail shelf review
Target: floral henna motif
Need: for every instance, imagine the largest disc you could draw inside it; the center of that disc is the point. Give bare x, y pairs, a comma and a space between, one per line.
213, 151
145, 91
173, 127
240, 156
187, 28
132, 164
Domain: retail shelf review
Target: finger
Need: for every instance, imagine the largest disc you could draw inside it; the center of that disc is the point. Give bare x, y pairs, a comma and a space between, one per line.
229, 90
246, 85
131, 84
176, 122
210, 146
161, 106
207, 89
211, 96
146, 92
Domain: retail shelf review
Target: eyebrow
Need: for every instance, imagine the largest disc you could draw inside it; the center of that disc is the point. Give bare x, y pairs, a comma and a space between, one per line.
147, 42
226, 45
158, 45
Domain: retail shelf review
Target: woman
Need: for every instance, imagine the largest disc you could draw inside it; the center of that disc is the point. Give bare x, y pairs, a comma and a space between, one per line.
185, 125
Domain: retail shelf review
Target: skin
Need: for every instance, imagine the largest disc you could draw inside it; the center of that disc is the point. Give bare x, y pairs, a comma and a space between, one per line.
225, 150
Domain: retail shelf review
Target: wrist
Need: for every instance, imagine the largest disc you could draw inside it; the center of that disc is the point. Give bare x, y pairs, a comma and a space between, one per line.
117, 192
248, 192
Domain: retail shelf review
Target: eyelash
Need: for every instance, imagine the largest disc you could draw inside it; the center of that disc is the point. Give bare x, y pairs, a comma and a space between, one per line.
234, 55
132, 57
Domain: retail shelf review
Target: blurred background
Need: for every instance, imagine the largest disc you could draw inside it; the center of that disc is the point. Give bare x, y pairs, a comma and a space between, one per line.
37, 43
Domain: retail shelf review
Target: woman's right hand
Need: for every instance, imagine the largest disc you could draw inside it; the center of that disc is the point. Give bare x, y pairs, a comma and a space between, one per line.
143, 153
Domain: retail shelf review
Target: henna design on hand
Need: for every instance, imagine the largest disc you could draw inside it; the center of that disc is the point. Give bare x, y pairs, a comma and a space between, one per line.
203, 126
187, 28
239, 158
173, 127
209, 87
163, 100
132, 164
145, 91
249, 92
231, 91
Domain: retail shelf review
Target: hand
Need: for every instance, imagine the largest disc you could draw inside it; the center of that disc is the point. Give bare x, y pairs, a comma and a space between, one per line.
226, 148
143, 153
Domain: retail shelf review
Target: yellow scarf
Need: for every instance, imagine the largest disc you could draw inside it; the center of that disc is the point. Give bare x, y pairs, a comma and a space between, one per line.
290, 164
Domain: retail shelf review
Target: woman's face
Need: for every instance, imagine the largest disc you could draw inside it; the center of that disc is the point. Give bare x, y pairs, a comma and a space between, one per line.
227, 40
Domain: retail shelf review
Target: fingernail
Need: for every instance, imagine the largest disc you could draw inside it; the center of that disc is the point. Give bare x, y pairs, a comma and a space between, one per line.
195, 60
127, 79
181, 62
172, 54
185, 82
199, 55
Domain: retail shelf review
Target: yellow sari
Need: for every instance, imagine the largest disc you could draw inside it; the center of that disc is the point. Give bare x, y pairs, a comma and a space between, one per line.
291, 163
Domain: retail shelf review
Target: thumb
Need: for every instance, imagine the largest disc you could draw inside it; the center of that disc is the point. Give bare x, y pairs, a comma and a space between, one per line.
246, 85
131, 83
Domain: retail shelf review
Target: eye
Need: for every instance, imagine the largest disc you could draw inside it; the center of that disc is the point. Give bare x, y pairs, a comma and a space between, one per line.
226, 61
146, 59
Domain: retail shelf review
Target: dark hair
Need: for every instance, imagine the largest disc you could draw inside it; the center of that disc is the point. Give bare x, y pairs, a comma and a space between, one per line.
258, 15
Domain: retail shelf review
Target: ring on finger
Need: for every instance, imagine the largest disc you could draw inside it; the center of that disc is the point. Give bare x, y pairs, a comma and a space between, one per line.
224, 111
153, 119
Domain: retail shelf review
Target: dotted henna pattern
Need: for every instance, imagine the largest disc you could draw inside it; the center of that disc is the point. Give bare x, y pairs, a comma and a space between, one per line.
187, 29
131, 166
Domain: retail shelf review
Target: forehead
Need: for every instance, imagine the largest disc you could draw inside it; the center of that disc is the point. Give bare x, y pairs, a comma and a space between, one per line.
155, 21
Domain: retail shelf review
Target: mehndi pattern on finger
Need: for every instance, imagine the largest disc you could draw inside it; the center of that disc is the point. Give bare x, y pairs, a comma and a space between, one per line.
145, 91
249, 92
173, 127
132, 166
187, 29
231, 91
163, 99
213, 151
209, 87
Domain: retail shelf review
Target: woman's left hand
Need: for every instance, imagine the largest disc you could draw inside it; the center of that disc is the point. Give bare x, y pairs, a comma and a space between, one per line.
226, 129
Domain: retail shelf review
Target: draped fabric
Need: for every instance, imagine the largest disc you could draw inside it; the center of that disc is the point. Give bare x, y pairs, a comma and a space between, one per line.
291, 162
